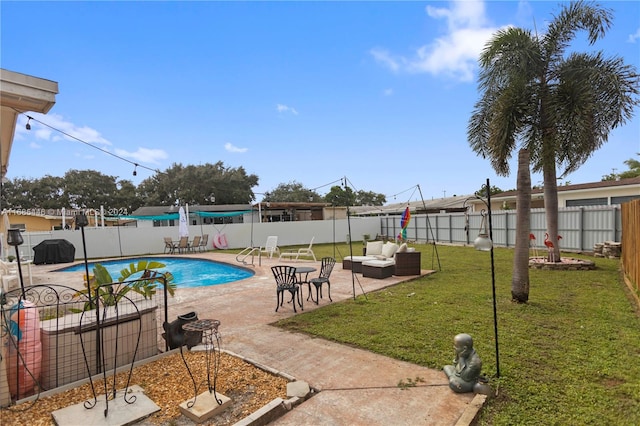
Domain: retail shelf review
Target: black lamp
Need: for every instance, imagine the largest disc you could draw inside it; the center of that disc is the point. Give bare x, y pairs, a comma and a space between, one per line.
484, 242
14, 238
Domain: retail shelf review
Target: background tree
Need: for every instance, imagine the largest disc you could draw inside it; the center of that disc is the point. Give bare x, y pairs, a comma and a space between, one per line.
88, 189
634, 171
482, 192
292, 192
370, 198
339, 196
76, 190
203, 184
561, 107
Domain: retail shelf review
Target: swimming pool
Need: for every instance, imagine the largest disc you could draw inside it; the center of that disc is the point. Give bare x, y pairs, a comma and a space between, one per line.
187, 272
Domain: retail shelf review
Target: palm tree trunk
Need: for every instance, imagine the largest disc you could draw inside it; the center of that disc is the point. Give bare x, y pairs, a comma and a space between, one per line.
520, 278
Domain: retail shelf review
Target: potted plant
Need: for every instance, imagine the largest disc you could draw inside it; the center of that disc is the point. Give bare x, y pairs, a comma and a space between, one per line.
146, 284
11, 258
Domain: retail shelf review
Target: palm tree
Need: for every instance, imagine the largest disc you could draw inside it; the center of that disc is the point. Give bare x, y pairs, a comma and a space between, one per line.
520, 277
560, 106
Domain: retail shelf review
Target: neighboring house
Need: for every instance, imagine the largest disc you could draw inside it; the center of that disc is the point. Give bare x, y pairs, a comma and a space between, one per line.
605, 193
154, 216
44, 220
437, 205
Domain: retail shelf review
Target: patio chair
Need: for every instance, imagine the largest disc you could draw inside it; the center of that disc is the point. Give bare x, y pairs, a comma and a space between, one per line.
9, 275
195, 244
305, 252
327, 264
169, 245
285, 277
271, 246
183, 245
203, 243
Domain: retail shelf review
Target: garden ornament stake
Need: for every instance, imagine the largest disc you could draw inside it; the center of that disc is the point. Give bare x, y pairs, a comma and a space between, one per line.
14, 238
81, 222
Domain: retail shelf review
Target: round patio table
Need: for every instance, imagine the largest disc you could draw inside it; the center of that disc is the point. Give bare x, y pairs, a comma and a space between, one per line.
304, 270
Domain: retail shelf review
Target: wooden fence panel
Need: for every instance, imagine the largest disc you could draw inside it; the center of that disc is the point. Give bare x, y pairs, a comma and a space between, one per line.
631, 243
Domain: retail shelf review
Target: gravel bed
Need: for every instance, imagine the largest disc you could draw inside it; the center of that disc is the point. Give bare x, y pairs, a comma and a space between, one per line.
167, 383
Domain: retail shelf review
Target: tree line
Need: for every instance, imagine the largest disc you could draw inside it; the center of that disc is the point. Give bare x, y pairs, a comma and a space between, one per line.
205, 184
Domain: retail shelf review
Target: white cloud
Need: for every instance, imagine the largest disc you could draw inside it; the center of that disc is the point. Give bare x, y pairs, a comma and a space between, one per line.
284, 108
144, 155
384, 57
388, 92
232, 148
453, 54
633, 37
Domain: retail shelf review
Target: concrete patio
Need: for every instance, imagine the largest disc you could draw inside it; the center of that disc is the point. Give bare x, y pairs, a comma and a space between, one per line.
356, 387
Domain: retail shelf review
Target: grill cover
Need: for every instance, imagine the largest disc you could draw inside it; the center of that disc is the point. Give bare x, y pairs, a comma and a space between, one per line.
54, 251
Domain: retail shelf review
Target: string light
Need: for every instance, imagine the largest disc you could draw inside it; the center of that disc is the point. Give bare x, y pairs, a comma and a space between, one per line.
136, 165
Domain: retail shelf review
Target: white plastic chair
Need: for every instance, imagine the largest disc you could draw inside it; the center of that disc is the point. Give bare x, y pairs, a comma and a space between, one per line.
271, 246
304, 252
9, 275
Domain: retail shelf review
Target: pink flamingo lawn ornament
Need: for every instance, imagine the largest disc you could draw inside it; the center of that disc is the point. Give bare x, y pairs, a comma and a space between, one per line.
550, 246
532, 244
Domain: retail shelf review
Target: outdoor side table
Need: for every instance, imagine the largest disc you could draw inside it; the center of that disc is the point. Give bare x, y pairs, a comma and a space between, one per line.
407, 263
211, 341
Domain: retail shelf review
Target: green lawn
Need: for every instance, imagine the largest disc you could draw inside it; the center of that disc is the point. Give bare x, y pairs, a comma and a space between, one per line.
571, 356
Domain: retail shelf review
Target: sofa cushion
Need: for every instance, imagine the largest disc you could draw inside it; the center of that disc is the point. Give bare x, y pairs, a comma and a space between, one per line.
374, 247
359, 258
402, 248
379, 263
389, 249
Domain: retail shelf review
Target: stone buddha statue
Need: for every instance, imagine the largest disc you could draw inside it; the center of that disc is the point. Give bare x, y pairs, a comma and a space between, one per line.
464, 374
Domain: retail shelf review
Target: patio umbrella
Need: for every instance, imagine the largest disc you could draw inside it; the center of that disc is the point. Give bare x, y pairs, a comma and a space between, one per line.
183, 228
404, 222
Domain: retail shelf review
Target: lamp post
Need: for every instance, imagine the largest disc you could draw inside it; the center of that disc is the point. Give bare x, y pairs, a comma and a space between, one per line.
14, 238
81, 222
484, 242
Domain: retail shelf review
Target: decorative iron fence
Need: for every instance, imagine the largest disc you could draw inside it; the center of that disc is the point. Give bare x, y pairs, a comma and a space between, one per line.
53, 335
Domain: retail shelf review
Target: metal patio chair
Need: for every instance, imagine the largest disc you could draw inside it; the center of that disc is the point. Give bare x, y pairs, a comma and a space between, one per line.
286, 280
327, 264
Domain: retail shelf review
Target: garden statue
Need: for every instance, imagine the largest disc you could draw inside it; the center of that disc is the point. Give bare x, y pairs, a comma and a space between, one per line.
464, 374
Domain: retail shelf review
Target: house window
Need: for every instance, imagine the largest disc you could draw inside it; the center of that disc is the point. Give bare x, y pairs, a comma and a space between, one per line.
157, 223
624, 199
588, 202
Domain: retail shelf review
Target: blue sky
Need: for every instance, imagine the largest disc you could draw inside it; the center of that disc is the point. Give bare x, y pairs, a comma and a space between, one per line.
377, 92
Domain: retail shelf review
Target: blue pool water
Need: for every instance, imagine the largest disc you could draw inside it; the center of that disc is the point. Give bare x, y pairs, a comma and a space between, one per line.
186, 272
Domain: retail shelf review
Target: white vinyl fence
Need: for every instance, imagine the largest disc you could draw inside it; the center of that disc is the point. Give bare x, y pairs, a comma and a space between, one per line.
118, 241
580, 228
